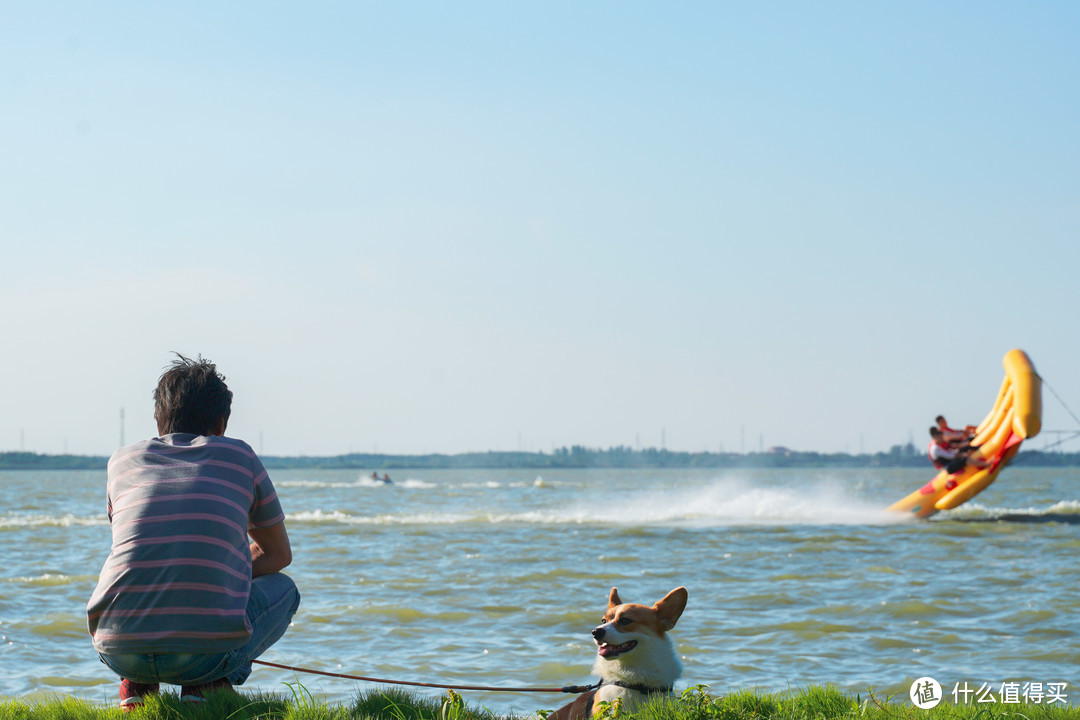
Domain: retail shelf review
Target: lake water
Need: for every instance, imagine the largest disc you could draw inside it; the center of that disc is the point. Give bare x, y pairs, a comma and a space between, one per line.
496, 577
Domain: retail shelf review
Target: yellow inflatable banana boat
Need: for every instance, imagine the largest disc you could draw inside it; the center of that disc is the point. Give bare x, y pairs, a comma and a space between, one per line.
1017, 416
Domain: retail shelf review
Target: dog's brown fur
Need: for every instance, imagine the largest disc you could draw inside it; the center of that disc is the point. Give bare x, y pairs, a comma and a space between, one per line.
581, 708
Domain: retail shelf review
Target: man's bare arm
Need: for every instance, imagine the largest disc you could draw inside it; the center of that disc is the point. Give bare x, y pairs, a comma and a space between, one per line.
270, 549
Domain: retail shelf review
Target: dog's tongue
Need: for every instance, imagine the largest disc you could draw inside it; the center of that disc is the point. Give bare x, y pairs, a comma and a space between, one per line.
605, 649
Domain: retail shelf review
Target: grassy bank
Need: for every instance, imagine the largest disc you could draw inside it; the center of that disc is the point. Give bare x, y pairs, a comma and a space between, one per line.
694, 704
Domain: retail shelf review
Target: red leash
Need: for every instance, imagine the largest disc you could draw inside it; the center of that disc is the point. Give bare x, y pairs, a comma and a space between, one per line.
567, 689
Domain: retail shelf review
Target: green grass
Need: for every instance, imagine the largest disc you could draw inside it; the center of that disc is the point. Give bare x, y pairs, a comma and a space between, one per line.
815, 703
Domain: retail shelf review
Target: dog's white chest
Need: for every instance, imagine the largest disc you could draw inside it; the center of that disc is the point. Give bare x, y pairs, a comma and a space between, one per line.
609, 693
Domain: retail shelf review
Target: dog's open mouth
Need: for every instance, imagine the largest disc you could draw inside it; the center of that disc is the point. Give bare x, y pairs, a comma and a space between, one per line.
609, 651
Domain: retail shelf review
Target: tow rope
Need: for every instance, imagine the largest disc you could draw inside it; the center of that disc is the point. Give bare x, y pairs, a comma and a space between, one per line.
1058, 397
567, 689
1070, 435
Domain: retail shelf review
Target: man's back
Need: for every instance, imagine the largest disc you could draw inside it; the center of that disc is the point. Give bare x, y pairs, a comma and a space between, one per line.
179, 572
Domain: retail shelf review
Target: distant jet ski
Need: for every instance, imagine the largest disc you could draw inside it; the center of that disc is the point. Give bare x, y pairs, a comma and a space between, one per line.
1017, 416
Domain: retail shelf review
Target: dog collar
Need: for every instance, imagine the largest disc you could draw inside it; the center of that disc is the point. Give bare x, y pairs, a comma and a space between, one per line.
643, 689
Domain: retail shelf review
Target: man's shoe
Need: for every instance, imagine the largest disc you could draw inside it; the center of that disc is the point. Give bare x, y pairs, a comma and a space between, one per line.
197, 693
132, 694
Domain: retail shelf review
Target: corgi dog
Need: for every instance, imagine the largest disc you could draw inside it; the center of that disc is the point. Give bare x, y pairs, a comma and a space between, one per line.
635, 658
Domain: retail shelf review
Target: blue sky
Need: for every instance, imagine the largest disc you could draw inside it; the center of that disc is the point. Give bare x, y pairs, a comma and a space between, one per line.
422, 227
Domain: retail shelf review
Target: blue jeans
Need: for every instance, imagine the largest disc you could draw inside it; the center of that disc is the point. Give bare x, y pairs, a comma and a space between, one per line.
271, 604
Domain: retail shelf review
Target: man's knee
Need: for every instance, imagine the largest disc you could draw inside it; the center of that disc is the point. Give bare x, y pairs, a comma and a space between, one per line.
293, 591
275, 590
275, 585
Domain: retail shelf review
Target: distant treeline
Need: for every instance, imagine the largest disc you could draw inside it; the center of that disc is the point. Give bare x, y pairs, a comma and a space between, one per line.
572, 457
34, 461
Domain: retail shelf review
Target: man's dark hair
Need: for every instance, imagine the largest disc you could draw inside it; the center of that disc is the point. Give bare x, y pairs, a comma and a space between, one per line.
935, 432
191, 397
939, 418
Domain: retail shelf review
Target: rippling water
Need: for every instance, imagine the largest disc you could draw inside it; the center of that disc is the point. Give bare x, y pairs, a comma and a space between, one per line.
796, 577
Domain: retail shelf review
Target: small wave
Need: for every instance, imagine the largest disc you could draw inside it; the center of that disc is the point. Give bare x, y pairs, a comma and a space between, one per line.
414, 484
15, 521
63, 682
1062, 511
53, 625
368, 482
51, 579
973, 510
324, 484
318, 517
1065, 506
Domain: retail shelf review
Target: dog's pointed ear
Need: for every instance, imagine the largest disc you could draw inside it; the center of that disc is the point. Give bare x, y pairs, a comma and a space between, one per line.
613, 599
670, 609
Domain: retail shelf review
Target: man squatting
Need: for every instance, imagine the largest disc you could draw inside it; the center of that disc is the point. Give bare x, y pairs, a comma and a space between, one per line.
192, 590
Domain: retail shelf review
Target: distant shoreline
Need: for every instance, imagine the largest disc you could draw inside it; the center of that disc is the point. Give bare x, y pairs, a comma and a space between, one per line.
569, 458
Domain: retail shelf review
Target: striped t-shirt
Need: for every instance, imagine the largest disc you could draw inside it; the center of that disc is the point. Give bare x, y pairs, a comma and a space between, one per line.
178, 575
